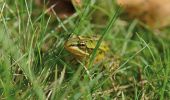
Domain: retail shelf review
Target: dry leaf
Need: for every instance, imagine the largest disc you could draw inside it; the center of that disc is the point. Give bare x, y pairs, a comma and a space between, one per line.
155, 13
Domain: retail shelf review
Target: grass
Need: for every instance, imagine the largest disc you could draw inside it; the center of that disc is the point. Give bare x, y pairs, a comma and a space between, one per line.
35, 65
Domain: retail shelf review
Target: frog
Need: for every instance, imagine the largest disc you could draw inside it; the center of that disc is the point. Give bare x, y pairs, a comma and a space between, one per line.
81, 47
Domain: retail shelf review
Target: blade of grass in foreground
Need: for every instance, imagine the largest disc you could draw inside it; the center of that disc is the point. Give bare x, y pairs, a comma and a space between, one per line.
9, 47
110, 24
166, 76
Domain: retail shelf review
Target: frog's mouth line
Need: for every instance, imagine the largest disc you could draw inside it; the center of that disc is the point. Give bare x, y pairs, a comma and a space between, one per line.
76, 51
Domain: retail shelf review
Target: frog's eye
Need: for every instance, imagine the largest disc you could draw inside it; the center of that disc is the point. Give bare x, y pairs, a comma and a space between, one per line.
81, 44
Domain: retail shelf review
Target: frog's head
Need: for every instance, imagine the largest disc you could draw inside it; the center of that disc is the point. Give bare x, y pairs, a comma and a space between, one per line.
81, 46
76, 46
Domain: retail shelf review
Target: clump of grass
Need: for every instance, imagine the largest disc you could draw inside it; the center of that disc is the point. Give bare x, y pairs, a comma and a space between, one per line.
28, 72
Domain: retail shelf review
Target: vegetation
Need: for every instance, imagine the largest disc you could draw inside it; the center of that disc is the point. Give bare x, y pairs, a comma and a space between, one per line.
35, 65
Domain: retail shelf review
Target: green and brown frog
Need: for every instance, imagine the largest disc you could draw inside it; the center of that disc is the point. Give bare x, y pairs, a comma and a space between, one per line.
81, 47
